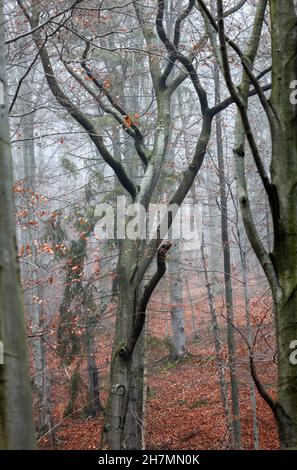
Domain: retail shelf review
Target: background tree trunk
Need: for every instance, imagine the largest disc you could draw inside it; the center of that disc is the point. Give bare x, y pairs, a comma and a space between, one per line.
227, 271
176, 302
216, 339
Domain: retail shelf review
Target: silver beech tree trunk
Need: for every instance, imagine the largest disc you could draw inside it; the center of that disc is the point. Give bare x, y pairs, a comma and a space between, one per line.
16, 421
284, 179
121, 368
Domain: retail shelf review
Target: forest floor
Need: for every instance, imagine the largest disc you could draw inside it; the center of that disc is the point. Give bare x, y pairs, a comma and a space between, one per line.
184, 406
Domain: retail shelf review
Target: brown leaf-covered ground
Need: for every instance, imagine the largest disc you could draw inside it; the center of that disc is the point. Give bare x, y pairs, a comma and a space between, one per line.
184, 406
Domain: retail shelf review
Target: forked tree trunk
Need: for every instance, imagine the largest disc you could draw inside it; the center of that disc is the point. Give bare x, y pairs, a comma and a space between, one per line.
130, 321
121, 366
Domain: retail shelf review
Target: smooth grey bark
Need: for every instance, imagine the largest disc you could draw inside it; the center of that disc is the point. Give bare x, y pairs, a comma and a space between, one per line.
134, 425
121, 369
284, 180
16, 417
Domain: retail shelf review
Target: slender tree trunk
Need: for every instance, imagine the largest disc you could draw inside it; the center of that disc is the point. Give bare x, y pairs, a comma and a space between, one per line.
216, 338
213, 232
176, 301
92, 313
16, 418
249, 336
227, 271
93, 375
193, 319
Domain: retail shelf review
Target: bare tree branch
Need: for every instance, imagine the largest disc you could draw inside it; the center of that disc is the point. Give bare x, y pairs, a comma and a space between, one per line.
84, 121
177, 30
42, 25
176, 55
